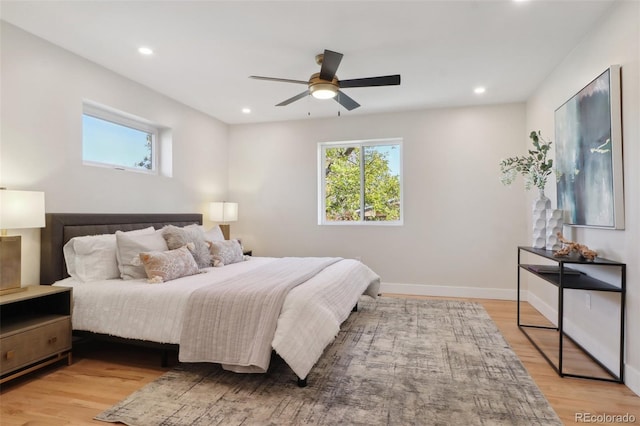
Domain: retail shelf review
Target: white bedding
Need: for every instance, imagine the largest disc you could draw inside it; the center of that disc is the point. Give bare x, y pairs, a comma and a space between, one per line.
310, 318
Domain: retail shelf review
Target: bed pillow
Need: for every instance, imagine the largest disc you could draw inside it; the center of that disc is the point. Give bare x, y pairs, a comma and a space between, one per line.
93, 257
129, 248
161, 266
177, 237
226, 252
214, 234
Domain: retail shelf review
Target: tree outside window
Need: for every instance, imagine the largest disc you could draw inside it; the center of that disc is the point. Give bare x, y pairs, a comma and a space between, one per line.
361, 182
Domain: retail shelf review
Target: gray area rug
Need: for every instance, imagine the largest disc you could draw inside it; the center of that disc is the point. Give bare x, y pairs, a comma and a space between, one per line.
395, 362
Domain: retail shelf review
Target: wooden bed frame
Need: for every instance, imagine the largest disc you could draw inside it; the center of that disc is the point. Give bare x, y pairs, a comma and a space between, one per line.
61, 227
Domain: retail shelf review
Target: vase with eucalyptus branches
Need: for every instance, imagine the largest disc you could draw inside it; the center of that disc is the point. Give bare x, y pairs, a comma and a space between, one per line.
535, 168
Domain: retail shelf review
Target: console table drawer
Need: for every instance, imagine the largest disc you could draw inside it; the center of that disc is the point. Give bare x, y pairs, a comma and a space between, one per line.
35, 344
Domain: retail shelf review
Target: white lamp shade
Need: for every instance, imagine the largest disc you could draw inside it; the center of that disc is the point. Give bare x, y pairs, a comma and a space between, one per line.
21, 209
223, 211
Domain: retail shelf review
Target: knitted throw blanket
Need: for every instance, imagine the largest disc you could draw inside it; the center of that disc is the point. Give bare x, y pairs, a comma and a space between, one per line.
233, 322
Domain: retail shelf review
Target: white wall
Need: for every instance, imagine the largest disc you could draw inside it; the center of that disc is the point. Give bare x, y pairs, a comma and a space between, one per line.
615, 40
461, 226
43, 87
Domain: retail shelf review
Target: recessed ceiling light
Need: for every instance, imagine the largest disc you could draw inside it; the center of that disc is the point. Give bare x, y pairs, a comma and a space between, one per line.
145, 50
246, 110
479, 90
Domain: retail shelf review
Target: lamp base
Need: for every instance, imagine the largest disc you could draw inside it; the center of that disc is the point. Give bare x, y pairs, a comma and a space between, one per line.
10, 263
226, 230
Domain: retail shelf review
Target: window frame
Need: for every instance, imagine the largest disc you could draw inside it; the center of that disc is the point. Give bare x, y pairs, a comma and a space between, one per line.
130, 121
361, 144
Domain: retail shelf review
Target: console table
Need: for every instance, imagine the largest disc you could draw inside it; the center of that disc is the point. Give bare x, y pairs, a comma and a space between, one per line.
563, 278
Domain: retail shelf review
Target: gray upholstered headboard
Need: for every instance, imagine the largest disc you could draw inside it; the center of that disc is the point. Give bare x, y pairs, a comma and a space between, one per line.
61, 227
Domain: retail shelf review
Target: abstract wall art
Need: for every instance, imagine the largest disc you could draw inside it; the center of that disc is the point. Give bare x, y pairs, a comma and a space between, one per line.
588, 131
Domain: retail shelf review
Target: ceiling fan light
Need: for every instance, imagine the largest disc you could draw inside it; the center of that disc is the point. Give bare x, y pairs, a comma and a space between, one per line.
323, 90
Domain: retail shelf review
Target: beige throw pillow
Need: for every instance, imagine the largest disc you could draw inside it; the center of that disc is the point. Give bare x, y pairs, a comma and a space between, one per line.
168, 265
177, 237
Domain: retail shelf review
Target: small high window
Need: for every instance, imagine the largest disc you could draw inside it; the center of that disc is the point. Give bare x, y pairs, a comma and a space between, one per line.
115, 139
360, 182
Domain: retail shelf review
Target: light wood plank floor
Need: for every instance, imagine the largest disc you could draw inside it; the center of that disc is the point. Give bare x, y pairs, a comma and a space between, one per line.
104, 373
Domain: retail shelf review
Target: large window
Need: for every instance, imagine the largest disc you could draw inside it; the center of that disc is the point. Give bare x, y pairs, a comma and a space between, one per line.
360, 182
118, 140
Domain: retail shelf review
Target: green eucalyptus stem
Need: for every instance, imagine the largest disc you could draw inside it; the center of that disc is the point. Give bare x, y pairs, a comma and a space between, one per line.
535, 167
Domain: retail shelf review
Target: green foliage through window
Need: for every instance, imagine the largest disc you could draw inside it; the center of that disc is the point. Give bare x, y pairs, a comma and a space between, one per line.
361, 182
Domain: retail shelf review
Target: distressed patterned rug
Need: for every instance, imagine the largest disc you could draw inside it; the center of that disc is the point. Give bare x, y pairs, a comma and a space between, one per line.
395, 362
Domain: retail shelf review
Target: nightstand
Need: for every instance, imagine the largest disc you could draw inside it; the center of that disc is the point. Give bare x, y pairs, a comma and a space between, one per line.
35, 329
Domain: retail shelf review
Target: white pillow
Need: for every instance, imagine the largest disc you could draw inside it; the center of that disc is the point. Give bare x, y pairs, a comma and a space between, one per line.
195, 226
214, 234
93, 257
130, 246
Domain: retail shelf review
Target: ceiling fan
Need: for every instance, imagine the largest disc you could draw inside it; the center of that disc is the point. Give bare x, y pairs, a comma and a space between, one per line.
325, 84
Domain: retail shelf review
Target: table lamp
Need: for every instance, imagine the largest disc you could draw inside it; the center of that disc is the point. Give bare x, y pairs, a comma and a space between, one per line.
18, 210
223, 212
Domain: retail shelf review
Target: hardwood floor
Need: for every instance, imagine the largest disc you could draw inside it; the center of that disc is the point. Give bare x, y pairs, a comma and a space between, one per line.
104, 373
569, 397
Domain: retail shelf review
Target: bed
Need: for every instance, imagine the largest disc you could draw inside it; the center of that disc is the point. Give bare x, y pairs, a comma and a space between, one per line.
234, 315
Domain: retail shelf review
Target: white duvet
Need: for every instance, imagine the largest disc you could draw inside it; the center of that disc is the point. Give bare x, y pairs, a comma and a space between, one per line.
310, 317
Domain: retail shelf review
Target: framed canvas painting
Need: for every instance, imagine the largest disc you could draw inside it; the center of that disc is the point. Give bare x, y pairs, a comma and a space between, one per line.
588, 131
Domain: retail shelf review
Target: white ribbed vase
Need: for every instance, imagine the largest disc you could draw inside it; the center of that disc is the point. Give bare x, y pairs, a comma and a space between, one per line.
554, 225
540, 206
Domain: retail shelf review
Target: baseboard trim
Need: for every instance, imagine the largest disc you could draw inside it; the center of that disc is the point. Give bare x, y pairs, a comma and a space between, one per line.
548, 311
449, 291
632, 379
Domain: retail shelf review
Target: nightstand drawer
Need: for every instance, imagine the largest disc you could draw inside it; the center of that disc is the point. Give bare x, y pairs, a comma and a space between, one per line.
21, 349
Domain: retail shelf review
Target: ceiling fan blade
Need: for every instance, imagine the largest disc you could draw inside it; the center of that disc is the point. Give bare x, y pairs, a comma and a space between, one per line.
330, 62
283, 80
346, 101
387, 80
295, 98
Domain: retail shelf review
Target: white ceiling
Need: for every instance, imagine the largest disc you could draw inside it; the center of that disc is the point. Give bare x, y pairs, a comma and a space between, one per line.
205, 50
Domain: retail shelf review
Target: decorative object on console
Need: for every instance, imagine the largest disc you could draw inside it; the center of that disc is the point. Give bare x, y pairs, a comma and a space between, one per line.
589, 154
535, 168
553, 228
539, 219
570, 246
223, 212
18, 210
